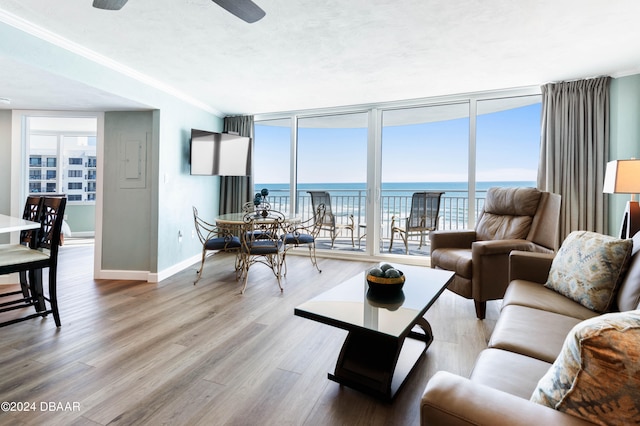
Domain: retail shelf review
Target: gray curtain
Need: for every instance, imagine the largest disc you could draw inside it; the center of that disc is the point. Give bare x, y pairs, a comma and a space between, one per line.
574, 151
236, 190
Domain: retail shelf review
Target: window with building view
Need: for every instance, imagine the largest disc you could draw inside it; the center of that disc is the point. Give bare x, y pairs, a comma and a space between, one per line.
62, 157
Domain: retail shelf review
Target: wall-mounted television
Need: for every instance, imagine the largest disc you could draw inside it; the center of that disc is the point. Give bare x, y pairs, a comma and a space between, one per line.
220, 154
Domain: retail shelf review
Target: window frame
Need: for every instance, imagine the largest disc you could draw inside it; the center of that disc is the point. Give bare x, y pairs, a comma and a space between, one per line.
374, 144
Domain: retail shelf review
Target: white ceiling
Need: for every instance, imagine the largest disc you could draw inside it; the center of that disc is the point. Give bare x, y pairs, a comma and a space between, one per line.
321, 53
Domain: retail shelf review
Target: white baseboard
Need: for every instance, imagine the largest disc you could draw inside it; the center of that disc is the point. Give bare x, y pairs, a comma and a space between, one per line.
122, 275
152, 277
179, 267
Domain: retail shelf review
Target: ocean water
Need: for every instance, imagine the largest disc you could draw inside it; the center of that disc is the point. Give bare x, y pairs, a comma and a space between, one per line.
452, 189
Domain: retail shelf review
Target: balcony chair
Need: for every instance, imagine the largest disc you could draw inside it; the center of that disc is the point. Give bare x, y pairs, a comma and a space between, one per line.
330, 223
512, 219
42, 252
261, 242
213, 238
423, 218
304, 233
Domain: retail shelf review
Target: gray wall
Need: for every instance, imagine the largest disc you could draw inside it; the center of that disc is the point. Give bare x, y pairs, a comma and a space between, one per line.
142, 218
81, 218
127, 231
5, 167
5, 161
625, 137
178, 191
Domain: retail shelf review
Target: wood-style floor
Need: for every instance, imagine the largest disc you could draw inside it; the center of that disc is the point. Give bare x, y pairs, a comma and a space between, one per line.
131, 352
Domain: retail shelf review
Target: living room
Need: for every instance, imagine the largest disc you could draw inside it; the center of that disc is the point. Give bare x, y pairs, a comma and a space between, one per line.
130, 106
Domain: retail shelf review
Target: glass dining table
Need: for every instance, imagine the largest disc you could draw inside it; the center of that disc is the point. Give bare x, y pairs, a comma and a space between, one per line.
238, 219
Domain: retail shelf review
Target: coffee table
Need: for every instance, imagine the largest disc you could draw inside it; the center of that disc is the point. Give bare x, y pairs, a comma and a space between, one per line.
376, 356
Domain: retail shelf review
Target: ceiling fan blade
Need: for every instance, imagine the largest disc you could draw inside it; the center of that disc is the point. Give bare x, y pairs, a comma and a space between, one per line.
246, 10
109, 4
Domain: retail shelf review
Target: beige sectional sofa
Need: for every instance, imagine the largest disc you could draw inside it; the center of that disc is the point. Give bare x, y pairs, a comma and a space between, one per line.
528, 338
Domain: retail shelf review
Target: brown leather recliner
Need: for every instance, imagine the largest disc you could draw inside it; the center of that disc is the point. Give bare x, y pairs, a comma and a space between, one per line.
524, 219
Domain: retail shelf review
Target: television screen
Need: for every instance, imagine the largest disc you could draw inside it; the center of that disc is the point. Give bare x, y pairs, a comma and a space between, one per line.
220, 154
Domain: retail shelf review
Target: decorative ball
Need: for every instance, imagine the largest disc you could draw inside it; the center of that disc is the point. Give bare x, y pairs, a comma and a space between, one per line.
264, 192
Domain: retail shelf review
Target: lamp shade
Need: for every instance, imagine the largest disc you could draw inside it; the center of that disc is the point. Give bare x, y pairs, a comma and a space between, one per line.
622, 177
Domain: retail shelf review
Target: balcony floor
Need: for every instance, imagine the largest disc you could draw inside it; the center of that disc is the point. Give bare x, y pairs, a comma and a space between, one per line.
344, 244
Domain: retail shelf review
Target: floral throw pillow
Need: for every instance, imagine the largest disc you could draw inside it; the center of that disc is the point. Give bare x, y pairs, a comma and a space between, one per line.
589, 267
597, 374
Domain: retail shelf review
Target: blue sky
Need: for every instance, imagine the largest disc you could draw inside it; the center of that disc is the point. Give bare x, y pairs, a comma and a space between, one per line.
507, 150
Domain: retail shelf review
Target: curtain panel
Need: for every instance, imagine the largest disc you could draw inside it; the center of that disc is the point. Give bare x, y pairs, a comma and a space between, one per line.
236, 190
574, 150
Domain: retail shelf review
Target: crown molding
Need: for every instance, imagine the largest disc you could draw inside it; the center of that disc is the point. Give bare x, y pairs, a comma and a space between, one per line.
91, 55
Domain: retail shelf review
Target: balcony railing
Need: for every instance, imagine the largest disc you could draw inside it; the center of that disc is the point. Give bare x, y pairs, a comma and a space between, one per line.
454, 208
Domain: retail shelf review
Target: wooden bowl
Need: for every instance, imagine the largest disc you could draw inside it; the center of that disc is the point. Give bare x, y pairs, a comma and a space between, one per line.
381, 285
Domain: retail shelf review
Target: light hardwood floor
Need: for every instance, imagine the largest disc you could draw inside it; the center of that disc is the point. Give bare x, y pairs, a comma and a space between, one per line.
131, 352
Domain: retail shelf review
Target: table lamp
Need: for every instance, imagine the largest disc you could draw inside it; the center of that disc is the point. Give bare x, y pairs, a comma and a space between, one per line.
623, 177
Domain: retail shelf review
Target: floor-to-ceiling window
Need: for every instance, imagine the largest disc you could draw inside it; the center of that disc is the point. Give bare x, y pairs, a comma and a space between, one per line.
271, 161
507, 143
460, 145
332, 157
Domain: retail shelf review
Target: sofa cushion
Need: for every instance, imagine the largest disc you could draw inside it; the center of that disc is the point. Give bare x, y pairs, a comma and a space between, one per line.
531, 332
536, 295
589, 267
597, 375
508, 371
628, 297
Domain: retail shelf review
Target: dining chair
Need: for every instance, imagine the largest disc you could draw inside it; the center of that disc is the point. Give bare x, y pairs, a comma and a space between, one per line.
329, 223
261, 242
32, 211
423, 218
213, 238
42, 252
304, 233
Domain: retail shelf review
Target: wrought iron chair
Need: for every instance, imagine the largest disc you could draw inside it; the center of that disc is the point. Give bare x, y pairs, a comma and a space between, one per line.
304, 233
42, 252
423, 218
213, 238
261, 242
329, 223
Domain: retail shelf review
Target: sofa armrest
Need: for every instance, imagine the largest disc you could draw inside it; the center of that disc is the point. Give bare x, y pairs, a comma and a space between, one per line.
453, 400
494, 247
451, 239
530, 266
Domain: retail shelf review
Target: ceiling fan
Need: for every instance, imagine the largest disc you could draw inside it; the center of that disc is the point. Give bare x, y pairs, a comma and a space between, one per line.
246, 10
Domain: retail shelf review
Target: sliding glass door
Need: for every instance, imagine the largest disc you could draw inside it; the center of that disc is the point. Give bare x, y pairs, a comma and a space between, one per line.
373, 160
424, 149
